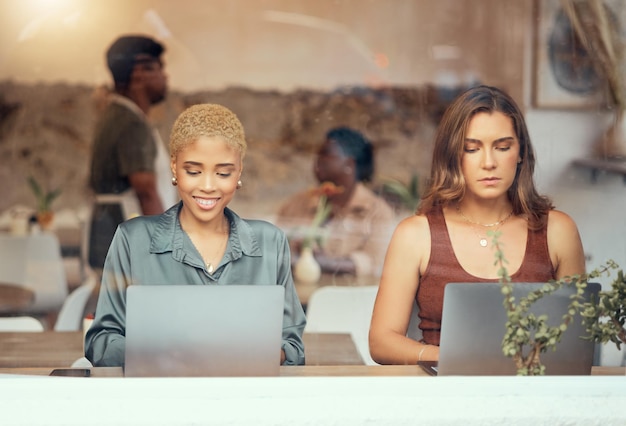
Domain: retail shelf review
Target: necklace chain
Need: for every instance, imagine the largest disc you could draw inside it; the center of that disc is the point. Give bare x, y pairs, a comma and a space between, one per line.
209, 266
487, 225
482, 239
222, 244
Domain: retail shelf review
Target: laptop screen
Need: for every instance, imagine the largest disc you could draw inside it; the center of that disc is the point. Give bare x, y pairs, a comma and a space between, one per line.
212, 330
473, 326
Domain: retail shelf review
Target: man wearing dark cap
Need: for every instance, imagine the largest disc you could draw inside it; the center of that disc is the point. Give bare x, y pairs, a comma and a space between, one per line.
129, 163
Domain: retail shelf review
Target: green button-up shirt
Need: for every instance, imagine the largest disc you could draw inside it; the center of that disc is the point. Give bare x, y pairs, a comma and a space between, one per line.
154, 250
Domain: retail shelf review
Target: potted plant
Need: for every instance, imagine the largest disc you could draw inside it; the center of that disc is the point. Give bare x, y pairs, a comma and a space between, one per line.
406, 195
44, 202
527, 336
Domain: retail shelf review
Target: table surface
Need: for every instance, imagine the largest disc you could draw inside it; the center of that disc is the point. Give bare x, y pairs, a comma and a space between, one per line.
305, 371
61, 349
14, 298
330, 354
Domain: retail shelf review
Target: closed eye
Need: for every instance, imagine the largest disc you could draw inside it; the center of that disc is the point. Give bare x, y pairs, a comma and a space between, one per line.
471, 147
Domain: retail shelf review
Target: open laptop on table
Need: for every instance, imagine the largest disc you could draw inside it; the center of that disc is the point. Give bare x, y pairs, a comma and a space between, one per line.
203, 330
473, 325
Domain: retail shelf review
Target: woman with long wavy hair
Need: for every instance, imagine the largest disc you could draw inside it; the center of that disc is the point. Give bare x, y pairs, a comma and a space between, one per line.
481, 180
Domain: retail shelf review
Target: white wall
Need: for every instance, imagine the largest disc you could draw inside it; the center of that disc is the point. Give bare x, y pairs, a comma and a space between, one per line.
598, 208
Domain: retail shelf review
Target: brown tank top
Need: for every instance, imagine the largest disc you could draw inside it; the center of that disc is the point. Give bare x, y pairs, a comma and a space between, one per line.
443, 267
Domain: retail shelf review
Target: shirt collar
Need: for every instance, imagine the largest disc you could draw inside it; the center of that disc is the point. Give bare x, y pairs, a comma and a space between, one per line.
168, 235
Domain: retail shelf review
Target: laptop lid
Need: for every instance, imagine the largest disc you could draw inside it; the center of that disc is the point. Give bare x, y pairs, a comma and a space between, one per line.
203, 330
473, 324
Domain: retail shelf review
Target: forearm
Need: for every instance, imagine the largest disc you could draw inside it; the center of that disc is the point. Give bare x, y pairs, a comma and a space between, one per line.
393, 348
105, 341
105, 349
292, 353
150, 203
145, 187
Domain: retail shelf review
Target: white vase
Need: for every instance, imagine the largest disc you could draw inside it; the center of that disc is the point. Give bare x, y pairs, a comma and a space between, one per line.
307, 270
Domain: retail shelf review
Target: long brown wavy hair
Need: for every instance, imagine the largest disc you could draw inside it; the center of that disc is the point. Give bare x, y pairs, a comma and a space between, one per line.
447, 183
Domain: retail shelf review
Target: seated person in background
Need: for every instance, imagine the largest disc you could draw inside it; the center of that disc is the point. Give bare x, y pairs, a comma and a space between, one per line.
481, 180
359, 224
198, 241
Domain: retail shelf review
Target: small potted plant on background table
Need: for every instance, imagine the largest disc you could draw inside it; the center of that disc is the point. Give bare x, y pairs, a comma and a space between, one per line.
44, 213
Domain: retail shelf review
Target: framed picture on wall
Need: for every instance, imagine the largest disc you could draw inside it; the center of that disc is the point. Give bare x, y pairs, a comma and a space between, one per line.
563, 73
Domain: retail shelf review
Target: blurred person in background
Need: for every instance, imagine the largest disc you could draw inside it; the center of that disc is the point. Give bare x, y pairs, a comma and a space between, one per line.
358, 224
129, 172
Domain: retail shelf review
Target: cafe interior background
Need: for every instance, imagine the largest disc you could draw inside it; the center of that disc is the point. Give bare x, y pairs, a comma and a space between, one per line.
291, 69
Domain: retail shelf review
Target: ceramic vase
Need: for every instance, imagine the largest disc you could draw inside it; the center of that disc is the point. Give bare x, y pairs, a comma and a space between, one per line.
307, 270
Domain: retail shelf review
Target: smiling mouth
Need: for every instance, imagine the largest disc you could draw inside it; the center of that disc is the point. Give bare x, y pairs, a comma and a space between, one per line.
206, 202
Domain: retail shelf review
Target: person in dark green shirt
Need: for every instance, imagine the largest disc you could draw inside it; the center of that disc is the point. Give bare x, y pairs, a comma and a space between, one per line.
198, 241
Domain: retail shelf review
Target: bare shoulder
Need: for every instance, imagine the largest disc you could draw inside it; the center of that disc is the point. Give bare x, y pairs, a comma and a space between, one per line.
565, 245
559, 222
411, 239
414, 228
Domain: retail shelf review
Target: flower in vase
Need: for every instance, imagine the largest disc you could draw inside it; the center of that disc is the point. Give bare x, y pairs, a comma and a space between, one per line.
322, 211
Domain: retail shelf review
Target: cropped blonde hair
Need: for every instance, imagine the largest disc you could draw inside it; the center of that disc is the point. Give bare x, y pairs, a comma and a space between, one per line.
210, 120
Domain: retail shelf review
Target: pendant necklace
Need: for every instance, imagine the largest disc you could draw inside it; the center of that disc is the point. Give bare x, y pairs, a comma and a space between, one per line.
221, 247
482, 239
209, 265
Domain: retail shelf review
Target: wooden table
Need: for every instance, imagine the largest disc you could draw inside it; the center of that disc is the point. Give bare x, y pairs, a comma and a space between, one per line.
14, 298
330, 349
61, 349
308, 371
40, 349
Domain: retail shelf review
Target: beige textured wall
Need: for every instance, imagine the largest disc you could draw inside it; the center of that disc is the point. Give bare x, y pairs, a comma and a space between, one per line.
275, 44
51, 61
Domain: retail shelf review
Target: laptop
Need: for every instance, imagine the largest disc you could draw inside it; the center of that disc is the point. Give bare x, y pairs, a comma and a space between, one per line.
473, 325
203, 330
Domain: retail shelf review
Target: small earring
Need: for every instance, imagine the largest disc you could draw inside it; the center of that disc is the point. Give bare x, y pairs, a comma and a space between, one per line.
239, 184
174, 181
519, 161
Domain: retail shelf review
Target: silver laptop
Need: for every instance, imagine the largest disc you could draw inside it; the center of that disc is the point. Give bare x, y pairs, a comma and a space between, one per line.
203, 330
473, 325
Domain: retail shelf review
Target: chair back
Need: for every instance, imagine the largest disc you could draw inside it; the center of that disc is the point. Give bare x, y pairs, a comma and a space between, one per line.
23, 323
337, 309
72, 312
34, 261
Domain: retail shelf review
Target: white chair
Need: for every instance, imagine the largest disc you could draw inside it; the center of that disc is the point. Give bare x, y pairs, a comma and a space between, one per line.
339, 309
35, 261
342, 309
82, 362
24, 323
72, 312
